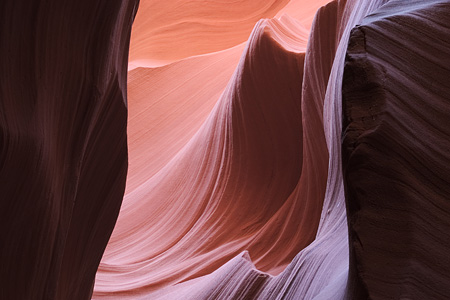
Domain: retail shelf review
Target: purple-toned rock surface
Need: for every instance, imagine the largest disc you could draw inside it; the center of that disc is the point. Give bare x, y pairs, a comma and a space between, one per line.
396, 151
63, 156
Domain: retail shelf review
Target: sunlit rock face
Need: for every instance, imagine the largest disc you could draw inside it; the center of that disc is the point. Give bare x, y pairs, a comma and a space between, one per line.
240, 180
168, 31
235, 179
277, 149
249, 148
235, 190
63, 157
396, 151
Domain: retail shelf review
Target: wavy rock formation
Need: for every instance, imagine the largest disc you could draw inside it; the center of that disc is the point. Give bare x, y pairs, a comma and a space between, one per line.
320, 270
164, 114
396, 151
237, 188
168, 31
212, 183
63, 158
199, 211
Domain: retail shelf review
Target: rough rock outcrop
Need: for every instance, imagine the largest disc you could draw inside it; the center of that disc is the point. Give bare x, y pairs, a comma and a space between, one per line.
63, 159
396, 151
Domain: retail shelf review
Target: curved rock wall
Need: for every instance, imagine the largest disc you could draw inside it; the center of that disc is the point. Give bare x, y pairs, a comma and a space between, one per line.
310, 162
63, 158
166, 238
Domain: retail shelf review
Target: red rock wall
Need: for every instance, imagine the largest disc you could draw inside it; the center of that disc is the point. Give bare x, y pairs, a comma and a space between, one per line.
236, 191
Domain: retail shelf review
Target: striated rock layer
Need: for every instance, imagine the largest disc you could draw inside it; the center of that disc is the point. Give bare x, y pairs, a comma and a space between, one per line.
168, 105
168, 31
63, 158
396, 151
254, 186
199, 210
236, 179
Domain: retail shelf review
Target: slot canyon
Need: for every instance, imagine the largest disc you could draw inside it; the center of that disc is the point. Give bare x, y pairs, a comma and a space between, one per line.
224, 149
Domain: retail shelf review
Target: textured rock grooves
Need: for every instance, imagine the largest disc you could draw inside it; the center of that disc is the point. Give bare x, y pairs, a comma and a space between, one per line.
195, 27
188, 219
63, 142
310, 162
216, 178
396, 151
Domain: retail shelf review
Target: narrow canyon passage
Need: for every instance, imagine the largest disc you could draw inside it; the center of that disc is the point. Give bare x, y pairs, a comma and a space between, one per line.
224, 149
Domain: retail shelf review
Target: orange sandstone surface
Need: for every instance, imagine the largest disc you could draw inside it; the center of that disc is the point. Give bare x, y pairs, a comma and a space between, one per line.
238, 149
227, 149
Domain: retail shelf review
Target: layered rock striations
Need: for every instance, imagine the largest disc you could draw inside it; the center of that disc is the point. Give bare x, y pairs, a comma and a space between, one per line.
312, 210
229, 189
164, 114
320, 270
310, 162
169, 31
63, 159
396, 151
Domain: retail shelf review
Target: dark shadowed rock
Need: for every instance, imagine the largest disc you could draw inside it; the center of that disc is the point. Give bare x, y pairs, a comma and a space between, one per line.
63, 152
396, 151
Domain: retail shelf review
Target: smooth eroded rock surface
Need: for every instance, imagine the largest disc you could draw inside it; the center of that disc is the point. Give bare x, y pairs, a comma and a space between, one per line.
63, 159
275, 152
